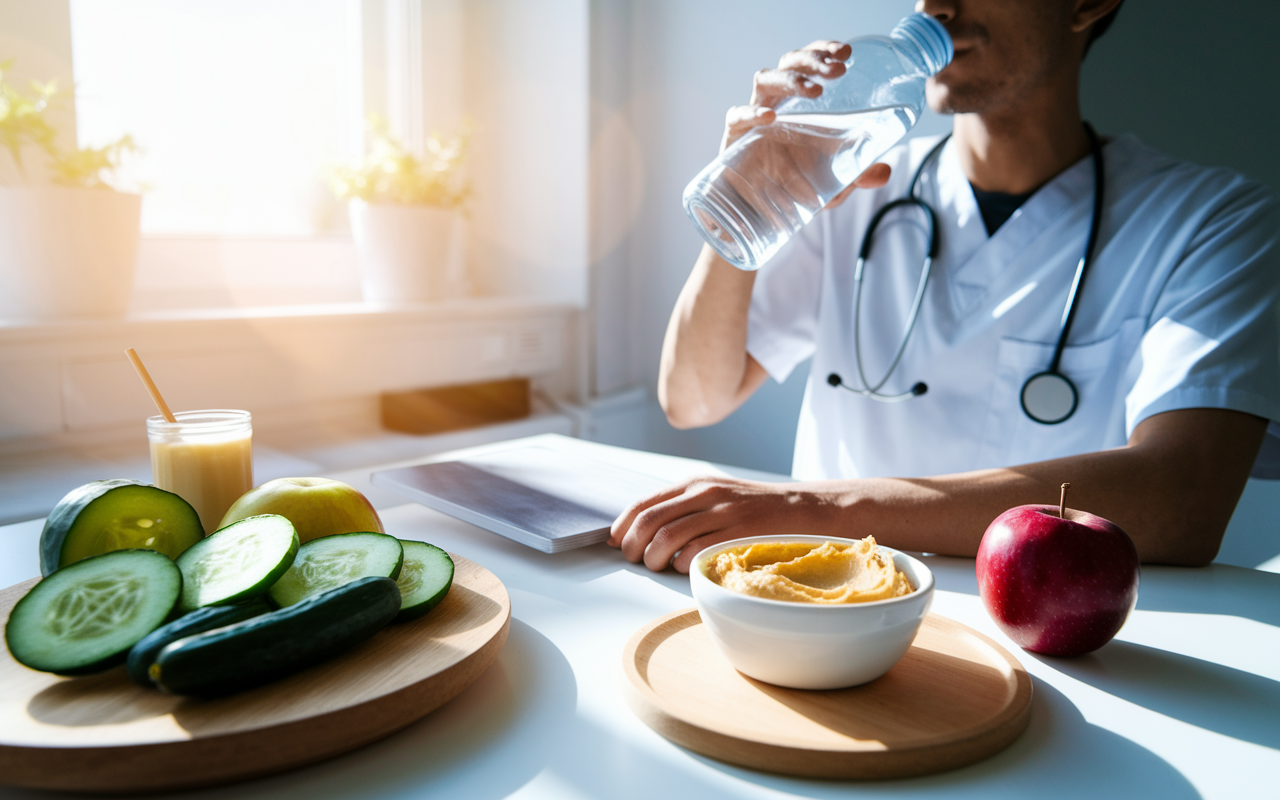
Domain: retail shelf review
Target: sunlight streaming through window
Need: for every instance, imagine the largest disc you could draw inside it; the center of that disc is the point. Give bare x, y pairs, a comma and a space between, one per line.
238, 105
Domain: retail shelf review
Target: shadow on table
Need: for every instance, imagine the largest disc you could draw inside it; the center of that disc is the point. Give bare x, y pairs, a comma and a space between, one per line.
1215, 589
480, 744
1229, 701
591, 563
952, 574
1059, 755
580, 565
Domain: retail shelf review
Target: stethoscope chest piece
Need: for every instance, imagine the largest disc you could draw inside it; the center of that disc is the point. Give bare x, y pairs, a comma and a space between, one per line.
1049, 397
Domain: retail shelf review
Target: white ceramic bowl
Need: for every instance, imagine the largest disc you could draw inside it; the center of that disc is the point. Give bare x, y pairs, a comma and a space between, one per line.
808, 645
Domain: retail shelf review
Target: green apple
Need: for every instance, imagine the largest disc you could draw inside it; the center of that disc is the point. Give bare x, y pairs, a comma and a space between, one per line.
316, 507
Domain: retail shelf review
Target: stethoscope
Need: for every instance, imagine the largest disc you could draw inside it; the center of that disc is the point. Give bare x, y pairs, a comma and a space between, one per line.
1048, 397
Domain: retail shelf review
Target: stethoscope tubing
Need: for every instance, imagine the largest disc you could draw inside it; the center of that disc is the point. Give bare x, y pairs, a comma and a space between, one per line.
1095, 223
868, 390
1068, 313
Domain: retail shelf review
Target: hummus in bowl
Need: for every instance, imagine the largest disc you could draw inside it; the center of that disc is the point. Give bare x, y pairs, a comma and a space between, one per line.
833, 572
810, 612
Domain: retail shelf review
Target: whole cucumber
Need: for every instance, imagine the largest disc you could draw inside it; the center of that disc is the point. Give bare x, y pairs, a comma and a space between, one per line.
273, 645
144, 653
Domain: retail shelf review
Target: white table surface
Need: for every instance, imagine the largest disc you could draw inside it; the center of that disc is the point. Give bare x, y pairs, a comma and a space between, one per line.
1184, 703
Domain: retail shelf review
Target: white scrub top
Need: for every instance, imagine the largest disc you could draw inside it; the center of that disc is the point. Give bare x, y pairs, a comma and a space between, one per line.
1179, 309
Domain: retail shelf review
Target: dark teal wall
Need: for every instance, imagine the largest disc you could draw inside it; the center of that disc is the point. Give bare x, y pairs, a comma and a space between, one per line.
1197, 80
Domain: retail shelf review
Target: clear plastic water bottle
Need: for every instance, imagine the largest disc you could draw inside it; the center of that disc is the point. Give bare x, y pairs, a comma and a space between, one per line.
771, 182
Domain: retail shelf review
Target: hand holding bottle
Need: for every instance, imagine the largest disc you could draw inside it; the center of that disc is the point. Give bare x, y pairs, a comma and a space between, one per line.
813, 130
825, 59
791, 79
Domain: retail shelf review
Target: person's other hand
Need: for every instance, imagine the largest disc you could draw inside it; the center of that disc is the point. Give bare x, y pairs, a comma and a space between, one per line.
823, 58
672, 526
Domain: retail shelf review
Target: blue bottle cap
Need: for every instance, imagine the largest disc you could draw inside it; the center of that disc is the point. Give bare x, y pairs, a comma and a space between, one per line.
929, 37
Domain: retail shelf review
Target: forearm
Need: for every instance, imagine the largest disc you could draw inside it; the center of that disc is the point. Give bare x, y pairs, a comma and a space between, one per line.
705, 372
1175, 503
1172, 488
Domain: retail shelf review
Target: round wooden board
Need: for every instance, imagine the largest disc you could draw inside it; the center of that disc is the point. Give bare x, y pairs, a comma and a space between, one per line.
956, 697
104, 734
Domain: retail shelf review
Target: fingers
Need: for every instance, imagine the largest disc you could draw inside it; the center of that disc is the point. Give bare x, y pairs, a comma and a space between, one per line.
674, 525
674, 537
741, 119
658, 522
623, 523
655, 529
874, 177
840, 51
816, 59
824, 59
840, 198
772, 86
684, 559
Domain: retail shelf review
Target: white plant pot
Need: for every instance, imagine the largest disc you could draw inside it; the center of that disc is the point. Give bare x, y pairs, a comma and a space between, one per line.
67, 252
408, 253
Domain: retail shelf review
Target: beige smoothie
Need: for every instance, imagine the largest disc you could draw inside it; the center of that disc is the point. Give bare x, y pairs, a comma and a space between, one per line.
206, 458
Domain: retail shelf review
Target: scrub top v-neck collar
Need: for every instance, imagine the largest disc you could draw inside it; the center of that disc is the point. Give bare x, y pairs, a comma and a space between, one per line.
997, 207
977, 260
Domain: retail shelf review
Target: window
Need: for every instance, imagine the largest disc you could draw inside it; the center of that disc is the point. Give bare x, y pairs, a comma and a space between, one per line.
241, 105
238, 105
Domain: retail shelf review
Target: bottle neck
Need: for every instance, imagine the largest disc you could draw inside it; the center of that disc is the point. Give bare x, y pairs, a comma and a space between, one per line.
911, 54
924, 42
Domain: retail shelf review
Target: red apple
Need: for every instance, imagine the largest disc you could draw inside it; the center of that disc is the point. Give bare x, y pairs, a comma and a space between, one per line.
1057, 586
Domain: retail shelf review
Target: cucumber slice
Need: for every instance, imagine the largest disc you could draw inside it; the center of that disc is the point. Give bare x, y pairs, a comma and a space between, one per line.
85, 617
104, 516
144, 653
264, 648
424, 579
241, 560
331, 561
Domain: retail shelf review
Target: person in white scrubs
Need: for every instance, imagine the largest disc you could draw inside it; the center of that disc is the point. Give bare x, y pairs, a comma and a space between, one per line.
1174, 349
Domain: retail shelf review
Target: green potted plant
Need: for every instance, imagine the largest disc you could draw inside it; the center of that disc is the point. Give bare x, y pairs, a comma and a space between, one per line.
406, 217
68, 238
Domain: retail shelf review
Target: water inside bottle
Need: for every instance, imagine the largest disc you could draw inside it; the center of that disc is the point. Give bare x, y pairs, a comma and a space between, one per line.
797, 165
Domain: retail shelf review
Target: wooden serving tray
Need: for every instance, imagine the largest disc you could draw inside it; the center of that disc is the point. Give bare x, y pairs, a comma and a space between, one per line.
104, 734
956, 697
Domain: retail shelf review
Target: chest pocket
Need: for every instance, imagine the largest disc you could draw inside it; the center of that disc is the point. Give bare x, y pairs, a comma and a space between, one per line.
1098, 370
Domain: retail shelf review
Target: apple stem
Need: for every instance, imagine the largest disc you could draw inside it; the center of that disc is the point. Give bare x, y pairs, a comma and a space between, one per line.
1062, 502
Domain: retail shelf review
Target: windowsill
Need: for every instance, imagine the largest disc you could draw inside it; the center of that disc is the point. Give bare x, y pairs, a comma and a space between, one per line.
464, 308
74, 385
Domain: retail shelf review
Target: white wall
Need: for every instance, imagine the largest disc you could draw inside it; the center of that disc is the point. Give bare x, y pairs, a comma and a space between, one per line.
525, 86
